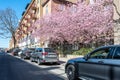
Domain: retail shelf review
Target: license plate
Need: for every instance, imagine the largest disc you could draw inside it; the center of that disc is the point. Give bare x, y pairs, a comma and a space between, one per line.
51, 55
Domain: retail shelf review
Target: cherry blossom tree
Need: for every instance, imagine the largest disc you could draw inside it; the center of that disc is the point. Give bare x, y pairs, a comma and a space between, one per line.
91, 23
88, 23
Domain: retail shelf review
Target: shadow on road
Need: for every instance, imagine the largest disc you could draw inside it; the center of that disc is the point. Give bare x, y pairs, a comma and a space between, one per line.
21, 70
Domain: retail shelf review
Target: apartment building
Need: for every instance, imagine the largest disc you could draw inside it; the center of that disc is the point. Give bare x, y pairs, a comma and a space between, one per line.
117, 24
29, 16
35, 10
40, 8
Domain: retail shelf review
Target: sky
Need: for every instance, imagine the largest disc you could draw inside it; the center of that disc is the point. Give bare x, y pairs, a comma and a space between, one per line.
18, 6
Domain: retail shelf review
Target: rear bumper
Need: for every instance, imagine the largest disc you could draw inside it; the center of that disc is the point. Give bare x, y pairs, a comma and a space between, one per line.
50, 60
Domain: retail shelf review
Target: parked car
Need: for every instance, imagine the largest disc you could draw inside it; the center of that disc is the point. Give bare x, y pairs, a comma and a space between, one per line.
44, 55
101, 64
20, 52
15, 51
26, 53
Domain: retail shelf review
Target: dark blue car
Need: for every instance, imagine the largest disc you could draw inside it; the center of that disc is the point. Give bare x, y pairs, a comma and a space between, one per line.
101, 64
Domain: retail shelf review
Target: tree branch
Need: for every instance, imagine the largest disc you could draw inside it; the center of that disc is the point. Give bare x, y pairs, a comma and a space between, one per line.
117, 20
116, 9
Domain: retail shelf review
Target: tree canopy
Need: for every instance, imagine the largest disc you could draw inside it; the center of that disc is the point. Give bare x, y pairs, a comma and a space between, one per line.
83, 25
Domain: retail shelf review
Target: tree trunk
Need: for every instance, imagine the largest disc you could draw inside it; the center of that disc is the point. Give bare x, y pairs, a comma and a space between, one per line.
14, 41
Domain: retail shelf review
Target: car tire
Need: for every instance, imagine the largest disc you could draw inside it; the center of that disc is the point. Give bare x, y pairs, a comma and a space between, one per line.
57, 63
31, 59
21, 57
38, 61
70, 71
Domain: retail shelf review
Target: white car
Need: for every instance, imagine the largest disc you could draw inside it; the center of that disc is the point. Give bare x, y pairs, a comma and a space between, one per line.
19, 53
44, 55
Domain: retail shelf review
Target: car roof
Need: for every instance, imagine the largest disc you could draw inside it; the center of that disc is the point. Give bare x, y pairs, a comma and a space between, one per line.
44, 48
108, 46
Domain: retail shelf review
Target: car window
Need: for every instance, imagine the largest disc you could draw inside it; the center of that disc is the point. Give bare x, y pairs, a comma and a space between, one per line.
49, 50
31, 50
117, 54
38, 50
100, 54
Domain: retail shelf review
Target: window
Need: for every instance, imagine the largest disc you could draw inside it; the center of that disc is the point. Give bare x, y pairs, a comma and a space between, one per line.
38, 1
92, 1
62, 7
117, 54
38, 11
73, 8
47, 9
40, 50
100, 54
80, 1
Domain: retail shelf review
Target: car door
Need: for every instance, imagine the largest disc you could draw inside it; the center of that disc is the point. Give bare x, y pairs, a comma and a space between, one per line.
94, 68
114, 64
39, 53
35, 54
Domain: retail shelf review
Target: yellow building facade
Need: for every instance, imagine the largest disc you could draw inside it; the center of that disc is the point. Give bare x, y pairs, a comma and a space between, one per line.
116, 25
40, 8
35, 10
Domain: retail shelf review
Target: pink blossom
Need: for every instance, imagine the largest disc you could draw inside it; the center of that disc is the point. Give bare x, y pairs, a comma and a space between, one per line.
89, 20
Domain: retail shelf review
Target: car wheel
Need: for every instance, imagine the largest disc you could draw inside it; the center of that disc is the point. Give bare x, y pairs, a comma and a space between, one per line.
31, 59
57, 63
38, 61
21, 57
70, 71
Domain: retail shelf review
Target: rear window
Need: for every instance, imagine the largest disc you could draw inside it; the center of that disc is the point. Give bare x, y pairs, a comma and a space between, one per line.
32, 49
49, 50
39, 50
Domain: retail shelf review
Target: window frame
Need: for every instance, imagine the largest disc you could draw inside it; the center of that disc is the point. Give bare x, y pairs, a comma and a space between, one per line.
109, 56
115, 53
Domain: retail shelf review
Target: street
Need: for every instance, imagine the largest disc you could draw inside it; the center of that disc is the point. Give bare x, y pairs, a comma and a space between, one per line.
13, 68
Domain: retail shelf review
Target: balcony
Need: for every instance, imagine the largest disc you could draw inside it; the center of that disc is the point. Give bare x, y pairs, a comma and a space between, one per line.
22, 23
34, 16
29, 20
27, 17
32, 12
34, 6
24, 32
27, 24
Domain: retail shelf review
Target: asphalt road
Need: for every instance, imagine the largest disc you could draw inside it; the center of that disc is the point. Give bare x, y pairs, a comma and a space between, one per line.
12, 68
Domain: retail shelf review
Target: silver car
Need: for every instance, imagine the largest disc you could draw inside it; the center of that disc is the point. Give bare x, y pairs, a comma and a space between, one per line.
44, 55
